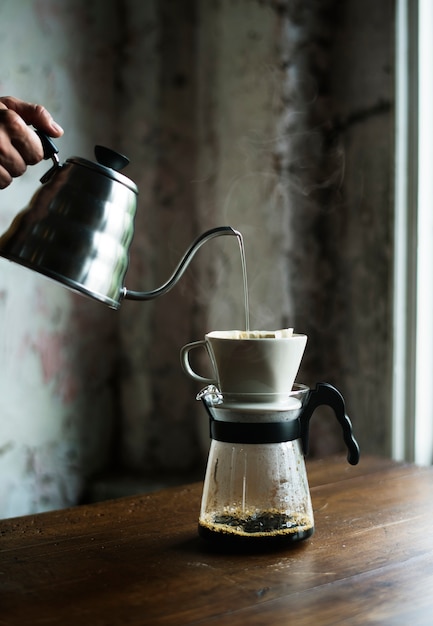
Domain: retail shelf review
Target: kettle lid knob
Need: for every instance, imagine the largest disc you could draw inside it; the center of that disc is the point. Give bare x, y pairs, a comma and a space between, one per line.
110, 158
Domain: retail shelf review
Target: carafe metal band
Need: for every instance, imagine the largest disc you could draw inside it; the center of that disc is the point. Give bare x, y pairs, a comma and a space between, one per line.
268, 432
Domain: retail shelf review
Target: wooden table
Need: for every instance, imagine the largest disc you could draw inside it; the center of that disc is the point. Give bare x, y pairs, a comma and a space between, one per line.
138, 560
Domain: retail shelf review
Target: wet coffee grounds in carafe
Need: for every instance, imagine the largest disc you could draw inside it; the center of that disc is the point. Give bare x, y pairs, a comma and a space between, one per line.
258, 529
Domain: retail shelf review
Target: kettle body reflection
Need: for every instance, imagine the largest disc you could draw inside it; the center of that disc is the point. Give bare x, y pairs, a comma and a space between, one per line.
256, 491
79, 225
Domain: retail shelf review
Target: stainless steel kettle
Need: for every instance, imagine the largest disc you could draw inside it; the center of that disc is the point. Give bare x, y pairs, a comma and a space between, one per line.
79, 225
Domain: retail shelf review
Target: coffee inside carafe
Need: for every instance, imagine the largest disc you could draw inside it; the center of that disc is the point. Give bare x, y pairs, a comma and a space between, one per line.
259, 529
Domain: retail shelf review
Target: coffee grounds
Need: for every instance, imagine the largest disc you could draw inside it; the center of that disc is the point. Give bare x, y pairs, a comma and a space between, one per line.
263, 525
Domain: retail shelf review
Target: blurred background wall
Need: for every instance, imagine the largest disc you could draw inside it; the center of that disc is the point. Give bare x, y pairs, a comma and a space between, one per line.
273, 116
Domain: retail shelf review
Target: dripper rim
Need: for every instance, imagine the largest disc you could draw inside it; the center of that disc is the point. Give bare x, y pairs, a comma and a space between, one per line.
215, 398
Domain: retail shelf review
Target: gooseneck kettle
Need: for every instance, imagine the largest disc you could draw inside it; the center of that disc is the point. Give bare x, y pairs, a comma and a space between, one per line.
79, 225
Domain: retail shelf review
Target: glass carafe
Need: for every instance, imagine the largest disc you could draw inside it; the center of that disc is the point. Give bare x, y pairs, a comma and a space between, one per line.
256, 490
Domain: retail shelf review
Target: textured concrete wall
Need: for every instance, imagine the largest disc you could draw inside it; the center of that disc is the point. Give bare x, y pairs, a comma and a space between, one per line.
295, 146
158, 426
57, 350
363, 96
275, 117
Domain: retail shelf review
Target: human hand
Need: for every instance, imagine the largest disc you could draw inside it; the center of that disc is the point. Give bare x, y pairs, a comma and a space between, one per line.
19, 144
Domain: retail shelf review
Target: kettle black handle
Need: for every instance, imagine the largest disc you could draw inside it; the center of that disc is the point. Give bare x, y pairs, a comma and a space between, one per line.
50, 148
50, 152
326, 394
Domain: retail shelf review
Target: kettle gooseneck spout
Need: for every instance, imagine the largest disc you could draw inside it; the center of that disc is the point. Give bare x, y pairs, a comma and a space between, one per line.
79, 225
181, 267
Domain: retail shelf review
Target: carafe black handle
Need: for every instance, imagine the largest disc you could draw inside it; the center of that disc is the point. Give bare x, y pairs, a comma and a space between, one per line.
326, 394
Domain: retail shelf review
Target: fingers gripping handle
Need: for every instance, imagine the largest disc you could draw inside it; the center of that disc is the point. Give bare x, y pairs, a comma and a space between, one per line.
326, 394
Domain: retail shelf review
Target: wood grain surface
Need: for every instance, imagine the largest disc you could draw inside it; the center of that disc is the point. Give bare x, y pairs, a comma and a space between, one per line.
139, 560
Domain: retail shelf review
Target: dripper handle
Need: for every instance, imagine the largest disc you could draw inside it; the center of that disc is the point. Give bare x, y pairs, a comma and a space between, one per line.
186, 365
326, 394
